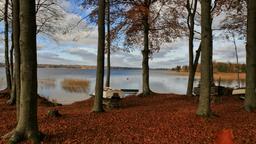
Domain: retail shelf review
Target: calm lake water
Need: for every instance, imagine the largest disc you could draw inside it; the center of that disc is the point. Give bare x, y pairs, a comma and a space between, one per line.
70, 85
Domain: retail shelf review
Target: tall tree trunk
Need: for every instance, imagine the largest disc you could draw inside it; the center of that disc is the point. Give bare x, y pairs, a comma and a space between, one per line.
198, 53
237, 62
193, 72
11, 57
11, 101
145, 54
250, 97
97, 107
16, 38
191, 68
205, 84
27, 127
6, 29
108, 45
191, 25
15, 93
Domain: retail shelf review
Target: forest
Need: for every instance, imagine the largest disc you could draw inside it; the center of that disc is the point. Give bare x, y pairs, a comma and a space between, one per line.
147, 115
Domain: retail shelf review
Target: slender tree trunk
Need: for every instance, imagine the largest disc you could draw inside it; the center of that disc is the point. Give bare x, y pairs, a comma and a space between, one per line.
27, 127
211, 67
250, 97
237, 62
6, 29
145, 54
108, 45
205, 85
11, 101
97, 107
11, 58
191, 63
15, 93
16, 38
191, 25
193, 72
198, 53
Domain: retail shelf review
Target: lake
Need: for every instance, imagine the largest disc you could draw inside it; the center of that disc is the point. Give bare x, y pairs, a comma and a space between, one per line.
70, 85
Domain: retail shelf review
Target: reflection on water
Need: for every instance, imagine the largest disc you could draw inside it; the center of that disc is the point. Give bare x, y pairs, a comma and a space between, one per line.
69, 85
47, 83
75, 85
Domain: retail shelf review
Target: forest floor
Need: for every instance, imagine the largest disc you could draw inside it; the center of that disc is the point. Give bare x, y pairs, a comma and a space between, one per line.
162, 118
217, 75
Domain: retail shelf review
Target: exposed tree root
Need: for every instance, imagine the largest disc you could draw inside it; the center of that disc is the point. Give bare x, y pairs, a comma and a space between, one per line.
16, 137
144, 94
8, 135
97, 111
11, 101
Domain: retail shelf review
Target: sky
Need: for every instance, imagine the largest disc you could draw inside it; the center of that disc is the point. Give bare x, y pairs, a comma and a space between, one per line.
79, 45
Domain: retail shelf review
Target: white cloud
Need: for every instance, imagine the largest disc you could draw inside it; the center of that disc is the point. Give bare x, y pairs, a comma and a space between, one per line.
78, 45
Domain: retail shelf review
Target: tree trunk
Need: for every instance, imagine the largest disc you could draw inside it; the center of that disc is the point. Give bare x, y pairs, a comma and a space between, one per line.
191, 62
250, 97
145, 54
191, 25
193, 72
16, 38
205, 84
198, 52
237, 62
11, 58
12, 99
6, 29
15, 93
108, 45
97, 107
27, 127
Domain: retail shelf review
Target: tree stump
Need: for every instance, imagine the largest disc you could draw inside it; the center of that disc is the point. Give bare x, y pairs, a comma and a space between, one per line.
53, 113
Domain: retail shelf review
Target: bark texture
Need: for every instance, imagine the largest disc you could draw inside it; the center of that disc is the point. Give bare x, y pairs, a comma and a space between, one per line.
97, 107
6, 32
11, 58
191, 25
205, 83
250, 97
16, 41
108, 45
12, 99
27, 127
145, 55
237, 60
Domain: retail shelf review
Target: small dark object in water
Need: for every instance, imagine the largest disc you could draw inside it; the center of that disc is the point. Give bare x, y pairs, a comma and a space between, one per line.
54, 113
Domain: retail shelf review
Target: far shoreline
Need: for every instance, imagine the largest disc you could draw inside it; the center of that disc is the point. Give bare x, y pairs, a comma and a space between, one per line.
217, 75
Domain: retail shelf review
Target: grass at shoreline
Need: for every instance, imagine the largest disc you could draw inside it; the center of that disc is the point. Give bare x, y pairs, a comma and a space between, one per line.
217, 75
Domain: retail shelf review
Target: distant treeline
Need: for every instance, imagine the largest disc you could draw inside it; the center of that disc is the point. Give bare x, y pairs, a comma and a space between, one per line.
217, 67
74, 66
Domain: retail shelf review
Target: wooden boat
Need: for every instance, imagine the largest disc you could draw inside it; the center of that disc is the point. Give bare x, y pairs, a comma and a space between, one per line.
109, 93
239, 91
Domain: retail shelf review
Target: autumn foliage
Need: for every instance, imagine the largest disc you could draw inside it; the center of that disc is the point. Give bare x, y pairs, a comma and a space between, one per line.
225, 137
151, 120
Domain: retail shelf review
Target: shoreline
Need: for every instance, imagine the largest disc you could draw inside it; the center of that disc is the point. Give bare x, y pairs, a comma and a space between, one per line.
217, 75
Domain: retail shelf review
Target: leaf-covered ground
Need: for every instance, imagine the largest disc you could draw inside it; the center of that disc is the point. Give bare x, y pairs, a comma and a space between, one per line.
151, 120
